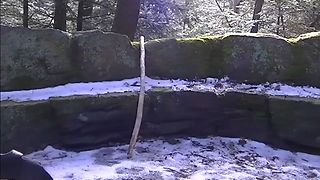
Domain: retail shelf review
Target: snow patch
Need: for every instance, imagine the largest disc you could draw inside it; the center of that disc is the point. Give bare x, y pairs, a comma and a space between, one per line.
217, 86
188, 158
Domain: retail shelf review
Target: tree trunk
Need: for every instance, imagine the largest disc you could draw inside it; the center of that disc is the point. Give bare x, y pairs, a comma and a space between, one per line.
25, 13
256, 15
80, 15
85, 8
60, 14
126, 17
279, 19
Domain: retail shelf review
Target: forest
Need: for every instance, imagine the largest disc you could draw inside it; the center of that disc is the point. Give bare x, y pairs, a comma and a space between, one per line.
166, 18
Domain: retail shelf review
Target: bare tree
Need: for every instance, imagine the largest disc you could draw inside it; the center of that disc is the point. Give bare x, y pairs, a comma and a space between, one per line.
256, 15
60, 14
80, 16
126, 17
280, 20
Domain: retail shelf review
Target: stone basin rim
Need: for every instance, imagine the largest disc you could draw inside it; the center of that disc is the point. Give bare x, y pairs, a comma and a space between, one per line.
132, 86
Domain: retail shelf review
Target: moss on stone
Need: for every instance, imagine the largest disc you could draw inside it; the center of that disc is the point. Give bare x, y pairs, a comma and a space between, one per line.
40, 57
203, 39
189, 58
135, 45
162, 89
255, 58
306, 59
306, 50
304, 37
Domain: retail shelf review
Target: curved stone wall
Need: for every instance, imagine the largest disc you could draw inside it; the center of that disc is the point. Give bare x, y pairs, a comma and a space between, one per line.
86, 122
43, 58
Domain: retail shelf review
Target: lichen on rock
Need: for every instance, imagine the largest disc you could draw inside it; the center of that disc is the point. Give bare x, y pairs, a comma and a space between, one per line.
101, 56
33, 58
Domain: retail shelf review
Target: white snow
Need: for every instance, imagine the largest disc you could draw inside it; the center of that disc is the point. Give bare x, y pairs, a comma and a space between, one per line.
188, 158
218, 86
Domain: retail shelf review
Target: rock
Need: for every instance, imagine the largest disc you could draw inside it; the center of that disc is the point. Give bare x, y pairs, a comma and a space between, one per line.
296, 120
41, 58
191, 58
102, 56
34, 58
87, 122
27, 126
255, 58
306, 51
72, 122
202, 114
270, 58
251, 58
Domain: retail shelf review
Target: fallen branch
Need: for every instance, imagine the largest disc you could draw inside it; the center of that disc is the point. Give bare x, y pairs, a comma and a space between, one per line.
137, 124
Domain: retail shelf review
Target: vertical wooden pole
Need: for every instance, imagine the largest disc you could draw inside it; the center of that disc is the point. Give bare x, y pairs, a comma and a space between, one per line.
137, 124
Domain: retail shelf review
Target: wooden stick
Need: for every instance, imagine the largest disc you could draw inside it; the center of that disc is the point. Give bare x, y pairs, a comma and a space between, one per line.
137, 124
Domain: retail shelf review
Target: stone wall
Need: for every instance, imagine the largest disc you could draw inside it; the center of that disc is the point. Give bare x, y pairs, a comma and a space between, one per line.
42, 58
86, 122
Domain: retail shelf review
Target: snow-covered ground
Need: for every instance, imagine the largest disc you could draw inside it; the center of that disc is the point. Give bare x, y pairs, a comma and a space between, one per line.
188, 158
218, 86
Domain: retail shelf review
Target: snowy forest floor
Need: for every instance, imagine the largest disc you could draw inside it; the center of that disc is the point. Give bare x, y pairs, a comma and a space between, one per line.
183, 158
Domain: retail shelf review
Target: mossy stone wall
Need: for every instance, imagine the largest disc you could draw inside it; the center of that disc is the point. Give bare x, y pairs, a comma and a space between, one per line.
41, 58
34, 58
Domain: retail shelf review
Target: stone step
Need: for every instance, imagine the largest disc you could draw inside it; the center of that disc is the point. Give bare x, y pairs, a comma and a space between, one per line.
87, 122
